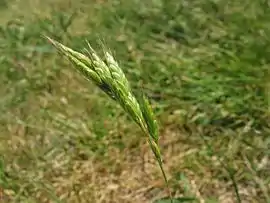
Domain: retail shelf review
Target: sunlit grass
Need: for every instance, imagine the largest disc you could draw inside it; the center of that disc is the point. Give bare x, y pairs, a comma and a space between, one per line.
202, 64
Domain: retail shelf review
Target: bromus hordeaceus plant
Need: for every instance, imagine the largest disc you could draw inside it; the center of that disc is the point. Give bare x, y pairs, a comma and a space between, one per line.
110, 78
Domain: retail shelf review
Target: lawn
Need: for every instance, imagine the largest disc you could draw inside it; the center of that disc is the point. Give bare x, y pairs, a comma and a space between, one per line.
203, 64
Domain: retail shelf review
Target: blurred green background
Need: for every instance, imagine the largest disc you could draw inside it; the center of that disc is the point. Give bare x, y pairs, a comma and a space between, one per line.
204, 64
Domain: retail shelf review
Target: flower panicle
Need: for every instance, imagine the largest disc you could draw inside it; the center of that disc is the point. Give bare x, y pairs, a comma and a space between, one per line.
110, 78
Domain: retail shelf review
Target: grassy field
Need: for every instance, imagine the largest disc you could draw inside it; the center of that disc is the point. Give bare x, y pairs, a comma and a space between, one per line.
205, 66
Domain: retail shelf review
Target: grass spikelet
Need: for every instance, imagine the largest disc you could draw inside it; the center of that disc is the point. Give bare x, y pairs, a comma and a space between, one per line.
110, 78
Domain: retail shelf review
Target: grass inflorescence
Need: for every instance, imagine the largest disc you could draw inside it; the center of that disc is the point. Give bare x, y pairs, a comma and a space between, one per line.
110, 78
203, 65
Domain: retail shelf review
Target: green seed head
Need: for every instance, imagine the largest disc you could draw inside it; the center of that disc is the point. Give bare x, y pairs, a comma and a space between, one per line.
110, 78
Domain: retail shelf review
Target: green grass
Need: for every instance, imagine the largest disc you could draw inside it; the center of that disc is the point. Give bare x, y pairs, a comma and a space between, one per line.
203, 64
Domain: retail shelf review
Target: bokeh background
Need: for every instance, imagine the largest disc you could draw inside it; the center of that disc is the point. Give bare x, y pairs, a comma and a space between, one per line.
204, 64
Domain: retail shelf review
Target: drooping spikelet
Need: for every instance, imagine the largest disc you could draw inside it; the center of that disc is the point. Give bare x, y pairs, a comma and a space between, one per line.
110, 78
